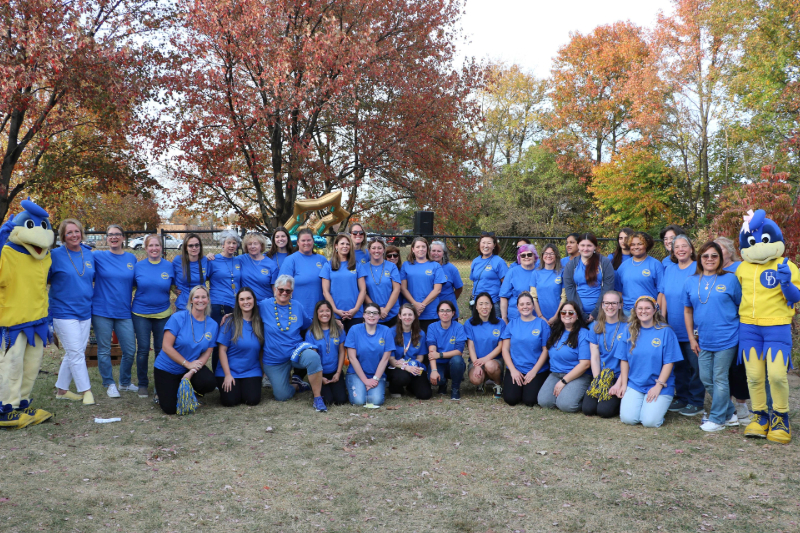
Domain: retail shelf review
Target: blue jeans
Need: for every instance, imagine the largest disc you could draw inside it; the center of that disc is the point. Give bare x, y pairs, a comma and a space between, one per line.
634, 408
714, 367
144, 327
359, 395
452, 369
127, 342
217, 312
279, 375
688, 387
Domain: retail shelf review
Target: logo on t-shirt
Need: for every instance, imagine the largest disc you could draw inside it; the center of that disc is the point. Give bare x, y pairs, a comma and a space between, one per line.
265, 271
645, 272
386, 273
656, 342
721, 288
381, 342
769, 279
130, 266
488, 267
536, 332
237, 267
496, 332
336, 341
363, 261
319, 265
453, 340
445, 277
164, 275
292, 318
88, 264
207, 335
429, 272
558, 279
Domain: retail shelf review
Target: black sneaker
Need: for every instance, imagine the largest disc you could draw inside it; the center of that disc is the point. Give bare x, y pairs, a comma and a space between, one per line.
443, 388
676, 406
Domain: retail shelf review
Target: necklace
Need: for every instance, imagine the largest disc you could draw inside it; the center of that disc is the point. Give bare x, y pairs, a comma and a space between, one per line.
278, 319
563, 340
699, 281
81, 273
192, 319
372, 273
633, 260
230, 268
327, 341
608, 349
407, 346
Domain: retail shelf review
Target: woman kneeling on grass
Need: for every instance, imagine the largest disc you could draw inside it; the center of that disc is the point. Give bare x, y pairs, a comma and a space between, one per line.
484, 339
525, 354
570, 359
240, 341
406, 368
647, 353
329, 339
446, 340
189, 338
369, 346
604, 334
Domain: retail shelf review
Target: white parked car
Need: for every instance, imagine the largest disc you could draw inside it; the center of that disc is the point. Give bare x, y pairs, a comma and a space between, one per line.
170, 243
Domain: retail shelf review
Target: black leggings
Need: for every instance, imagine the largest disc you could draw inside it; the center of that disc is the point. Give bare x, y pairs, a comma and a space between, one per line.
335, 393
527, 394
347, 324
737, 380
244, 390
167, 385
389, 323
423, 324
419, 386
604, 409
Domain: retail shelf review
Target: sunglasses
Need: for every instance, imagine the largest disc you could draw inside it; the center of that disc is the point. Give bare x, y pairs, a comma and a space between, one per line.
525, 255
389, 256
285, 291
709, 256
356, 233
567, 313
487, 234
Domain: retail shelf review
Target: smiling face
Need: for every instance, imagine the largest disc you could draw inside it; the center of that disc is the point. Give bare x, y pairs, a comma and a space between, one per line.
586, 248
526, 260
437, 253
246, 301
420, 250
193, 248
115, 238
638, 248
572, 246
622, 239
406, 318
229, 247
72, 236
376, 250
342, 248
283, 294
200, 300
484, 306
281, 240
445, 313
254, 247
305, 243
682, 250
669, 238
710, 260
357, 234
549, 258
153, 249
486, 246
568, 316
324, 314
372, 315
645, 311
525, 306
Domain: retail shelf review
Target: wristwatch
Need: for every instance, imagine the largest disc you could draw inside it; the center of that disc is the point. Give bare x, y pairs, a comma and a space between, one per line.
563, 381
441, 356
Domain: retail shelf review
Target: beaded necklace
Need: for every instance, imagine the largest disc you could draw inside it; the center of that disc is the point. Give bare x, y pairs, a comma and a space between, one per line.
277, 318
616, 330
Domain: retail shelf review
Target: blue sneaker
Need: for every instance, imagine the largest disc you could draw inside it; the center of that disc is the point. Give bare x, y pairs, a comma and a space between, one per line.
319, 404
302, 385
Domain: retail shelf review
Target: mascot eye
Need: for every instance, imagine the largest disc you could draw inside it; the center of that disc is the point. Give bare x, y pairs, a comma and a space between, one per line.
765, 238
29, 224
751, 240
44, 224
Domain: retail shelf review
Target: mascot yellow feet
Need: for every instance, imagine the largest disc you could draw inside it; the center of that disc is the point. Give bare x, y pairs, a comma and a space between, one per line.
15, 420
38, 415
758, 426
779, 429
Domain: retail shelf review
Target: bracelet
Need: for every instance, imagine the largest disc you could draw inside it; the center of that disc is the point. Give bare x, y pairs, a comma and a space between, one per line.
184, 363
659, 382
562, 381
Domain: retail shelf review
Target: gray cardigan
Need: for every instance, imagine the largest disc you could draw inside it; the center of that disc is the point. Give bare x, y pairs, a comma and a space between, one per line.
607, 283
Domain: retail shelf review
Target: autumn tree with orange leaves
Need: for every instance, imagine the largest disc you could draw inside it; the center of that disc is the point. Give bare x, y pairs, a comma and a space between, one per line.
275, 100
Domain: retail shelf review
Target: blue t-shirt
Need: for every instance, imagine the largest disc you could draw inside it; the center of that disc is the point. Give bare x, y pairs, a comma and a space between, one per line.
732, 267
452, 281
654, 349
328, 348
564, 358
715, 310
516, 281
70, 278
258, 275
674, 279
362, 258
589, 294
152, 282
186, 285
624, 258
446, 340
244, 355
408, 350
280, 258
305, 270
344, 286
279, 344
549, 285
113, 284
487, 276
485, 337
379, 284
420, 278
617, 286
369, 348
667, 261
527, 341
183, 325
607, 343
225, 277
639, 279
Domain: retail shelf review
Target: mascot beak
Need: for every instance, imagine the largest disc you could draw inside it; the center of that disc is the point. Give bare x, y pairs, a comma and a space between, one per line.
37, 241
761, 253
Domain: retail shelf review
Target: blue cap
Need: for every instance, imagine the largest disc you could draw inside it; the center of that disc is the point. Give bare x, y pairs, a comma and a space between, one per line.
33, 209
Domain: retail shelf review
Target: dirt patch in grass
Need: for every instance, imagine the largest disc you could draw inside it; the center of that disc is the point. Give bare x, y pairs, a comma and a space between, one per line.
472, 466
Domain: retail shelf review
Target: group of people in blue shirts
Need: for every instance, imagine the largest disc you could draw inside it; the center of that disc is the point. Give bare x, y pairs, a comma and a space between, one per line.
624, 335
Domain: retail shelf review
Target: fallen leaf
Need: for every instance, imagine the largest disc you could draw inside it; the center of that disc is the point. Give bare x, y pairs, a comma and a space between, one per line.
542, 452
392, 408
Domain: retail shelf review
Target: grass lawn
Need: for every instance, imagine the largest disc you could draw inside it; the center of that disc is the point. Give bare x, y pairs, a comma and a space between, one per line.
476, 465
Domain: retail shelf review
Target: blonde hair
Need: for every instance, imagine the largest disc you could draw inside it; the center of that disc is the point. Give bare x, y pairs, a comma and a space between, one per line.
600, 323
254, 237
150, 238
634, 324
62, 228
191, 295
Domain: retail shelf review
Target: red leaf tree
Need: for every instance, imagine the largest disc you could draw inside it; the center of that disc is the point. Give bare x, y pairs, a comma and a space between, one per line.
272, 99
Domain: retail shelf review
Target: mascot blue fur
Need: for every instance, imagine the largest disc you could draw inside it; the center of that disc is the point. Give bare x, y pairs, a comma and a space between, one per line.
770, 288
25, 241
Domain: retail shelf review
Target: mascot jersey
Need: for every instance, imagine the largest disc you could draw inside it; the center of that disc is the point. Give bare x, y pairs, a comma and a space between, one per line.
763, 301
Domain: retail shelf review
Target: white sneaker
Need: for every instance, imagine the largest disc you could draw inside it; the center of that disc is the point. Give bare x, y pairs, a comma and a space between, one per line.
112, 391
742, 412
734, 421
265, 382
128, 388
712, 426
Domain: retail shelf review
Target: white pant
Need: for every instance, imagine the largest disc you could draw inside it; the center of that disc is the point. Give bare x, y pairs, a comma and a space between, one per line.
73, 335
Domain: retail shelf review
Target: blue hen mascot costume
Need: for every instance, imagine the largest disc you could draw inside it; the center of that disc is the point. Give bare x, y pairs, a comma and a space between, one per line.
770, 288
25, 241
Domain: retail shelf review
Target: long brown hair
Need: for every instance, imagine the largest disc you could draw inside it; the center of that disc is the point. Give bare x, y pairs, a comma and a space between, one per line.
415, 327
237, 322
274, 248
351, 255
593, 265
558, 328
187, 265
617, 261
413, 258
316, 325
710, 245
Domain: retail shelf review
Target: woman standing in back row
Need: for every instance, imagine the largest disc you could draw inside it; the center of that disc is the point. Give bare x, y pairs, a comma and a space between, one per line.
488, 270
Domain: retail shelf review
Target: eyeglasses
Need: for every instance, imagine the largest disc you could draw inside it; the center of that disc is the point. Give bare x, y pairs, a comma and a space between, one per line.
709, 256
548, 254
193, 245
610, 303
371, 313
285, 291
525, 255
356, 233
113, 235
567, 313
445, 311
389, 256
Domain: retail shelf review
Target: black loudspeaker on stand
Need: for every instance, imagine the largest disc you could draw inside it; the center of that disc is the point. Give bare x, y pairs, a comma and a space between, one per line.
423, 223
